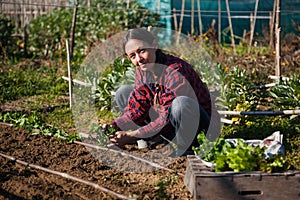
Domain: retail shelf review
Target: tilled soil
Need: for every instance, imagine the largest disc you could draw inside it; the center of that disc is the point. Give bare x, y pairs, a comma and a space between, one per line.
19, 181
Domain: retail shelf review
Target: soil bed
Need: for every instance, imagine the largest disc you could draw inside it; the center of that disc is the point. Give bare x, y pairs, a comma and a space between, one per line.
20, 182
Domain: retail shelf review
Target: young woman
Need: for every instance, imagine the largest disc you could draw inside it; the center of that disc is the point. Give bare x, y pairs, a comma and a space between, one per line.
168, 98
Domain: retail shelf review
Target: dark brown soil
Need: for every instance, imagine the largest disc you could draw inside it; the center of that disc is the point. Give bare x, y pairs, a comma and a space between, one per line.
22, 182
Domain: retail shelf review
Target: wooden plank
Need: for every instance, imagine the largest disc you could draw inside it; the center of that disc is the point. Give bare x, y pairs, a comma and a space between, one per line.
203, 183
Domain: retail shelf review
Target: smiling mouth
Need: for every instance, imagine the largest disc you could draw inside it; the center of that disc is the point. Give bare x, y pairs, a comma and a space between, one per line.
143, 65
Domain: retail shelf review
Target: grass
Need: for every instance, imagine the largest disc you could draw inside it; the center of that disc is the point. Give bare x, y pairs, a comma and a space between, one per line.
30, 80
32, 86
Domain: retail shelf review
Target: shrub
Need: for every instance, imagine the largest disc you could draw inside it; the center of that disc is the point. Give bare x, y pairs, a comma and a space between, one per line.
103, 19
8, 43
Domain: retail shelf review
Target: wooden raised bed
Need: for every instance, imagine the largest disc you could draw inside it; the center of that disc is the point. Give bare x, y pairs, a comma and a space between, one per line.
203, 183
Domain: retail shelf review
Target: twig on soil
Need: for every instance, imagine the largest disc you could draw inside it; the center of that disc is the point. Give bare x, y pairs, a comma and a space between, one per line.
111, 148
129, 155
66, 176
6, 124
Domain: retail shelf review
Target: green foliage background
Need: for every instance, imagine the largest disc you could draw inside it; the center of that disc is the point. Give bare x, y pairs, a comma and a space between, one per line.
104, 18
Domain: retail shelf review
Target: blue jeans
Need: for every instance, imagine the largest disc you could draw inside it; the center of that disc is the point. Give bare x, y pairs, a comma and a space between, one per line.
186, 116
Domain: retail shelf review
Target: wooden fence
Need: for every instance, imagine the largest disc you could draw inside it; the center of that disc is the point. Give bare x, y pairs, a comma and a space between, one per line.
22, 11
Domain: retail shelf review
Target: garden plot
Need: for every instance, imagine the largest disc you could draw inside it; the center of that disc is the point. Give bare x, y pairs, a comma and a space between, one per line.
19, 181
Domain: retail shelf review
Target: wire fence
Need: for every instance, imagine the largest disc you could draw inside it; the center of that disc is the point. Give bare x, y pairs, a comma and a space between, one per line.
22, 11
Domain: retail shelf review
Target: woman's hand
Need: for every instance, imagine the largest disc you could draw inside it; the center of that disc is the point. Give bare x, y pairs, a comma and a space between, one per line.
121, 138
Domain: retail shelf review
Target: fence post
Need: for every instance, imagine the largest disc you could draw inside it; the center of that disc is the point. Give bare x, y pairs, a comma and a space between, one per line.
69, 73
199, 17
158, 7
278, 43
24, 24
72, 35
192, 18
230, 27
181, 20
175, 19
272, 19
252, 29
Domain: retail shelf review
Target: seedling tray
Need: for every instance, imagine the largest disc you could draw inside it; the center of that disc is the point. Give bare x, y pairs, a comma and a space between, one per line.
204, 183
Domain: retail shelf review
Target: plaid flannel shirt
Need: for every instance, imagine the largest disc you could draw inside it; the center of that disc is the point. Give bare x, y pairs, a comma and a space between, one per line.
176, 78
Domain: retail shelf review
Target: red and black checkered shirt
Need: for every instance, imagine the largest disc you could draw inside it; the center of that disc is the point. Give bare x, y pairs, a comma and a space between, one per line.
175, 78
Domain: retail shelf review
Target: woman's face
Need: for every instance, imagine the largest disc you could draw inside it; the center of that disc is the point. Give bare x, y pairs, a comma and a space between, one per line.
141, 54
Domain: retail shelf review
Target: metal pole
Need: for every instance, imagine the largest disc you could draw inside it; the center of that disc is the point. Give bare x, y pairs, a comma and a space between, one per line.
280, 112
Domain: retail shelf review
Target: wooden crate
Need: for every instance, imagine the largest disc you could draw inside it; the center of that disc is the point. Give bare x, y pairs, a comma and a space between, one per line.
203, 183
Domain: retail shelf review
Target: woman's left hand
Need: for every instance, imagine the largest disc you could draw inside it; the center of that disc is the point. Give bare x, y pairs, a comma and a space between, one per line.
121, 138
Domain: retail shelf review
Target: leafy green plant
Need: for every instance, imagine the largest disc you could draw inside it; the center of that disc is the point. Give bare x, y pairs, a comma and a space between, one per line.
21, 119
240, 157
286, 94
70, 138
120, 72
276, 163
208, 150
161, 190
237, 90
243, 157
103, 85
35, 125
240, 93
46, 34
102, 136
